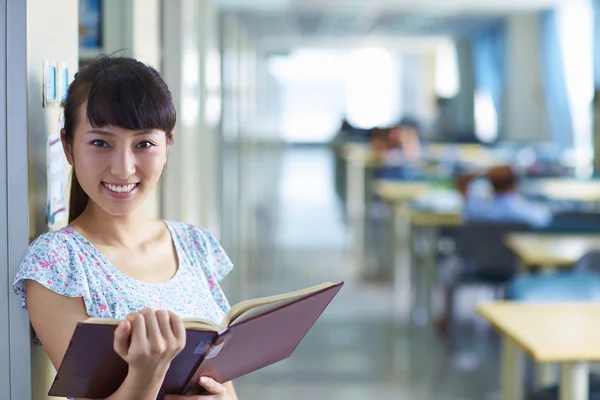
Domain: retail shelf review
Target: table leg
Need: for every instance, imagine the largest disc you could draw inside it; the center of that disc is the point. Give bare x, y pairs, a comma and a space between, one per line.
431, 270
355, 186
548, 269
512, 370
402, 261
417, 307
545, 375
424, 278
355, 209
574, 381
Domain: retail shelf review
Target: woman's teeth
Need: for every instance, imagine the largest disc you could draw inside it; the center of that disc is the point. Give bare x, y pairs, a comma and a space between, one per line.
120, 189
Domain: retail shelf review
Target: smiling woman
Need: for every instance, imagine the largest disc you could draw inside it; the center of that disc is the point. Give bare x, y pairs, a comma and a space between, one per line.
112, 261
106, 95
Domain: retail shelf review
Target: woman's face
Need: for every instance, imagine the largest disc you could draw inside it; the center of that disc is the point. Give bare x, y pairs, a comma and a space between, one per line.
116, 167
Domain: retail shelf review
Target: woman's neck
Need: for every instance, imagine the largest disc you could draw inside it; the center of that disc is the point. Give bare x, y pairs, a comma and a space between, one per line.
131, 230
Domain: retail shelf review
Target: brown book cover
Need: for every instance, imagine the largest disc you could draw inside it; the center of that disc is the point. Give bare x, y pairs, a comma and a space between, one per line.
255, 334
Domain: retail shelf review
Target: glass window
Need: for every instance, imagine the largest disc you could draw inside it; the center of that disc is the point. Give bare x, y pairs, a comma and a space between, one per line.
576, 25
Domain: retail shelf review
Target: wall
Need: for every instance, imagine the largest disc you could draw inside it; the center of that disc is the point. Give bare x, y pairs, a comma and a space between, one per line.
526, 116
418, 89
52, 31
15, 370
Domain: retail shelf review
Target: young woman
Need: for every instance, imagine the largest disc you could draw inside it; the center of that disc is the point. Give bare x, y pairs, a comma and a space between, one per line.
111, 261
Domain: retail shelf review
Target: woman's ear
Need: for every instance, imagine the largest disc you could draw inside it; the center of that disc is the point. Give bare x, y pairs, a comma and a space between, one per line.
67, 147
170, 139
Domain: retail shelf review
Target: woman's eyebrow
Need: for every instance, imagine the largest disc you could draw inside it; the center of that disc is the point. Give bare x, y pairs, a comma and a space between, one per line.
100, 132
108, 133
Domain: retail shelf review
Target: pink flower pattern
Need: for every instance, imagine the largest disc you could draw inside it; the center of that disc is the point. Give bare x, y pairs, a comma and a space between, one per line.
65, 262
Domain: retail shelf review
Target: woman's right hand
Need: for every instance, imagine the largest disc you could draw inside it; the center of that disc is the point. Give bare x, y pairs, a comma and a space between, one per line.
148, 341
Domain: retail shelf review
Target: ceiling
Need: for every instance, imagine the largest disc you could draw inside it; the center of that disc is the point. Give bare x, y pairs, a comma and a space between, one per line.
284, 21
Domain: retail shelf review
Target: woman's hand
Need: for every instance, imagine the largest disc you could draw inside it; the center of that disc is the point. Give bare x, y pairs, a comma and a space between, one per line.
215, 389
148, 341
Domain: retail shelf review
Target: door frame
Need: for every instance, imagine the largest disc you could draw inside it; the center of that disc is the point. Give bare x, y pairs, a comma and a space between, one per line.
15, 337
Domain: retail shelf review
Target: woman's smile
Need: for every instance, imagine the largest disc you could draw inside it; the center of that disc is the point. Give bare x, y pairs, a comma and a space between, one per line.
120, 191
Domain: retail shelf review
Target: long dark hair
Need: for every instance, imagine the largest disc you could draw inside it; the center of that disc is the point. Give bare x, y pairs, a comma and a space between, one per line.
120, 92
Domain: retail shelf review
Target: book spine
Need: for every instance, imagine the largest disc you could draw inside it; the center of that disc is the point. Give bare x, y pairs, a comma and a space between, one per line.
192, 387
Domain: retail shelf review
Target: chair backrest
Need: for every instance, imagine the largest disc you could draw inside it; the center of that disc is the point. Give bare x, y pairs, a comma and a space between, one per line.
481, 243
575, 221
590, 262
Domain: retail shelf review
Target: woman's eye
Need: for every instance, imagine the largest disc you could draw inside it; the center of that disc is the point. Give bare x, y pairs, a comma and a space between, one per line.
99, 143
144, 145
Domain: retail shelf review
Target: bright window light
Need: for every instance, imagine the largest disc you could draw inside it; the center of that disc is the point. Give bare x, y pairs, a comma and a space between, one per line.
320, 87
372, 88
447, 81
486, 118
576, 26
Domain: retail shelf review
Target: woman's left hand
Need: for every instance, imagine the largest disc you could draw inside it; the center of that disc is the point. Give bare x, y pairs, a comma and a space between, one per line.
215, 389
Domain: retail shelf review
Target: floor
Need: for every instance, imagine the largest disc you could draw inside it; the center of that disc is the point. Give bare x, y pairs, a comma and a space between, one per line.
353, 351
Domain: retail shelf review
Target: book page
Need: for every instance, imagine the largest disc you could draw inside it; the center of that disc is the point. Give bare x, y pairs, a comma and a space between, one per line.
262, 309
275, 302
189, 323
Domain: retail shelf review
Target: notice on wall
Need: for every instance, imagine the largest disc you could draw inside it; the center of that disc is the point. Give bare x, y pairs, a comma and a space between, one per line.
56, 206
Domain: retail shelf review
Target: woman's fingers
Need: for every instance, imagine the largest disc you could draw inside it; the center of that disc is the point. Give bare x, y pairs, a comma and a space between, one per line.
138, 328
164, 323
122, 338
211, 385
178, 329
214, 388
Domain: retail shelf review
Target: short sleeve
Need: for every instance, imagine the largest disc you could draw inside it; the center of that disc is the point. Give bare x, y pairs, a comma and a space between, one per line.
51, 261
218, 262
215, 265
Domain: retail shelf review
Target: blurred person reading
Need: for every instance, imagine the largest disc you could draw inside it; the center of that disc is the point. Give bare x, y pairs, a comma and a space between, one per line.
505, 204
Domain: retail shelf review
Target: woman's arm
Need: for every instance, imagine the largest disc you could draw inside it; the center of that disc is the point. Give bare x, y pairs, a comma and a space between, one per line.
54, 318
230, 391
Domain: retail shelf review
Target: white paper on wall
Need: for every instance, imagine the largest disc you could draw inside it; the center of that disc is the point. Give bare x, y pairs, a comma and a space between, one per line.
56, 207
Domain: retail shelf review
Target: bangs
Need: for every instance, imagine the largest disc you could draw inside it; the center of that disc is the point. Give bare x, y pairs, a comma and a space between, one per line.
129, 99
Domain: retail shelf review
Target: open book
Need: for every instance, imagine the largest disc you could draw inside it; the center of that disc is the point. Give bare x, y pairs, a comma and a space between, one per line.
254, 334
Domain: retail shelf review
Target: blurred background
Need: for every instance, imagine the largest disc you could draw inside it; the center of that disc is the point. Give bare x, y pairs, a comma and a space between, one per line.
355, 140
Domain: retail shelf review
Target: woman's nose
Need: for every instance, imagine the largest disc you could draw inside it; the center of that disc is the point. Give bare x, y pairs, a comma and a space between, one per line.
123, 164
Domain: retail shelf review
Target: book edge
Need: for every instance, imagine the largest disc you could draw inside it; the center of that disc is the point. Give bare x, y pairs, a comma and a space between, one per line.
238, 309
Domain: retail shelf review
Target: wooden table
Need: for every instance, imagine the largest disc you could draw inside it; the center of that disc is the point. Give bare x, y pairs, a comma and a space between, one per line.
398, 194
565, 188
435, 219
412, 287
400, 191
474, 154
551, 251
568, 334
358, 158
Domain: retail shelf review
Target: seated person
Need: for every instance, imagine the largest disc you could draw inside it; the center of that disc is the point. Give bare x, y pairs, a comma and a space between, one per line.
380, 142
402, 139
506, 204
405, 137
463, 183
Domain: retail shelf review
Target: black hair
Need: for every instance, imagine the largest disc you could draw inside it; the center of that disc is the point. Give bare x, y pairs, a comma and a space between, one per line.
120, 92
410, 122
503, 179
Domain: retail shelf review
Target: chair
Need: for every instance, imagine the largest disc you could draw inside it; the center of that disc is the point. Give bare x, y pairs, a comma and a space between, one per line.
485, 258
590, 262
575, 221
481, 246
562, 287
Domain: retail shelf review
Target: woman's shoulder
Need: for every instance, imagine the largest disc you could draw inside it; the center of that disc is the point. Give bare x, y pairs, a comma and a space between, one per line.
56, 244
192, 236
203, 247
55, 260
